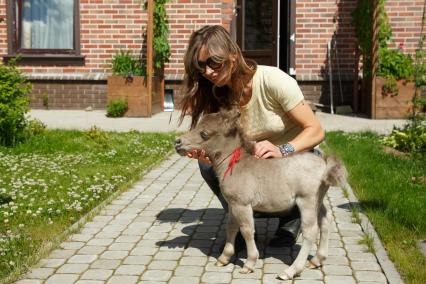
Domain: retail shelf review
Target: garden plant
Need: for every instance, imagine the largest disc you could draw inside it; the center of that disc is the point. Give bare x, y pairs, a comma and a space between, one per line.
49, 181
14, 89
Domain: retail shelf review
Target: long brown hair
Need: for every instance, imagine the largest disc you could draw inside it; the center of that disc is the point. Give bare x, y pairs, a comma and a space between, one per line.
201, 96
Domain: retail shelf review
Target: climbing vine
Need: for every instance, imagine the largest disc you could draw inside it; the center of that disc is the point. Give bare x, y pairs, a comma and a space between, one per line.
161, 45
362, 20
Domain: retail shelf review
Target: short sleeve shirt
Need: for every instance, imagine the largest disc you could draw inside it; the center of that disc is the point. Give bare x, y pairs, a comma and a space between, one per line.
264, 117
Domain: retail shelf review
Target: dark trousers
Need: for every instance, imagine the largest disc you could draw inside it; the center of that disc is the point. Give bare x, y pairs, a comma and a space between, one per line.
212, 180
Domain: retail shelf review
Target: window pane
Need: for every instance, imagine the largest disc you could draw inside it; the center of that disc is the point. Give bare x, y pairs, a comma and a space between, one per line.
47, 24
258, 24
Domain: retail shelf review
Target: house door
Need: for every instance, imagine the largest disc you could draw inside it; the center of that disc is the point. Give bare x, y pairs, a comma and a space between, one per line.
265, 32
257, 30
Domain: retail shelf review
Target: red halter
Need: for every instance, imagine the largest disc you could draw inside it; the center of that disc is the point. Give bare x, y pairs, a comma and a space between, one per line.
235, 157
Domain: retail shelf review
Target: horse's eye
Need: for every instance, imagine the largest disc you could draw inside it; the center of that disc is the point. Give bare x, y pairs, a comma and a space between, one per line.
204, 135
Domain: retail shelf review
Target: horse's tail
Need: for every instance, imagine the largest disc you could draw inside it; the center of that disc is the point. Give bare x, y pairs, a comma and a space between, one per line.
335, 173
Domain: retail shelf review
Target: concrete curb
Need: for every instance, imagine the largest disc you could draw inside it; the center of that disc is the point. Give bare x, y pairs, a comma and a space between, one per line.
387, 265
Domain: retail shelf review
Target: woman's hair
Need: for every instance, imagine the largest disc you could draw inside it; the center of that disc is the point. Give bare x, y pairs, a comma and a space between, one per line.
201, 96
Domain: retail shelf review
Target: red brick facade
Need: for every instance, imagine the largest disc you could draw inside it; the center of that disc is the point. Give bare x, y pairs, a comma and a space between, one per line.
316, 21
405, 18
108, 26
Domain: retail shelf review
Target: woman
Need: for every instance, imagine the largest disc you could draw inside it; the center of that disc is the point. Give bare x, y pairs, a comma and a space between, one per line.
273, 110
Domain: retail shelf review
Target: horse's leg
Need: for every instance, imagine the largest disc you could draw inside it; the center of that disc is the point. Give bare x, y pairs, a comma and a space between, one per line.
324, 217
243, 215
309, 226
231, 232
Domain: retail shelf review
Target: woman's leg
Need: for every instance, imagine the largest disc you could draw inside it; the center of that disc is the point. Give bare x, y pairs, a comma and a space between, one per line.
288, 229
210, 177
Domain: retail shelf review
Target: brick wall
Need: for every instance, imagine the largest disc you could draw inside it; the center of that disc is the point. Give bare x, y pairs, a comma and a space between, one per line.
185, 16
3, 28
68, 94
405, 18
110, 25
107, 26
316, 21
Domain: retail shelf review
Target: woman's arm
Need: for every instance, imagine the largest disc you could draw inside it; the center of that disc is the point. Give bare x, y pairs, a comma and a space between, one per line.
311, 135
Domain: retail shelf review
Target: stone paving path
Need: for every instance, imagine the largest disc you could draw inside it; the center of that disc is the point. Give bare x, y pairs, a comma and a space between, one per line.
168, 228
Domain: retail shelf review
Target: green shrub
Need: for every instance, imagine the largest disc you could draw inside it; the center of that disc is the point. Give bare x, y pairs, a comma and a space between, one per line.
98, 136
45, 98
396, 64
34, 127
390, 86
125, 64
116, 108
14, 89
411, 138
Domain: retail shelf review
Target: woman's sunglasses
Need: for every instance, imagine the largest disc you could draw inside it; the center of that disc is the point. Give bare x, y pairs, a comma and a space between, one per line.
211, 63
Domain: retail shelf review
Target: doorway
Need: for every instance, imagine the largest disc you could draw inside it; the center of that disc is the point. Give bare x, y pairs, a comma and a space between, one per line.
265, 32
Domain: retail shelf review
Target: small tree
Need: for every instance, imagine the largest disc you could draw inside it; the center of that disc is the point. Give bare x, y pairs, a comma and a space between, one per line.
14, 90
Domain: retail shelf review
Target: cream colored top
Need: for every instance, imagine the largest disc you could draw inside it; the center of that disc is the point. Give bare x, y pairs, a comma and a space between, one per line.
273, 94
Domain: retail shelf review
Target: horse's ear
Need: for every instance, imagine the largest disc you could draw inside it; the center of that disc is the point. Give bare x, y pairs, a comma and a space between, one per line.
230, 115
231, 121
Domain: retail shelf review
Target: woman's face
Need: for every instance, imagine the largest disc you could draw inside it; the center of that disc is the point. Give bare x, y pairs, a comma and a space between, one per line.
211, 69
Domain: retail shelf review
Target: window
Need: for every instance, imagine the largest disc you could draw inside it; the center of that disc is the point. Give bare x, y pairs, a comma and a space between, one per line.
44, 31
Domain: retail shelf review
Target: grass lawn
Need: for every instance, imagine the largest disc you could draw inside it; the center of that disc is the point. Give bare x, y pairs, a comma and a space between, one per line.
53, 179
392, 192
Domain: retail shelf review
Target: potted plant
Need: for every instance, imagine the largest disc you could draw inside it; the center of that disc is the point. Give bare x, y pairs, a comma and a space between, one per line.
129, 82
394, 84
390, 89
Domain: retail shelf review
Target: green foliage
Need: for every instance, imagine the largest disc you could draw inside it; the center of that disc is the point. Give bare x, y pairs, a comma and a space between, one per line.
5, 198
161, 33
394, 63
368, 240
390, 87
125, 64
362, 18
116, 108
50, 181
387, 193
97, 135
411, 138
34, 127
45, 98
14, 90
420, 65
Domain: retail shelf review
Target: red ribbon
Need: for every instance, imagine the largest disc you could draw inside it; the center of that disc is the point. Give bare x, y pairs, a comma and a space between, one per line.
234, 159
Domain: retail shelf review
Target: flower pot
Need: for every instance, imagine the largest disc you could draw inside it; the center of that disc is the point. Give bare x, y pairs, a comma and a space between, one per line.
397, 105
135, 90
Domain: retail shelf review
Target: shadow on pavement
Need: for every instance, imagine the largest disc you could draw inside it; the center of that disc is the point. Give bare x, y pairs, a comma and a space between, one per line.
205, 231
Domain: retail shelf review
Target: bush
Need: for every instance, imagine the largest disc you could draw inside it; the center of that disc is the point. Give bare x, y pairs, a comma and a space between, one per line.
34, 127
124, 64
390, 87
116, 108
394, 63
411, 138
13, 104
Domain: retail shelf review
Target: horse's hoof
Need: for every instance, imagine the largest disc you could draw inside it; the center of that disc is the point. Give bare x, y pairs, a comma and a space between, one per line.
220, 264
313, 264
283, 276
246, 270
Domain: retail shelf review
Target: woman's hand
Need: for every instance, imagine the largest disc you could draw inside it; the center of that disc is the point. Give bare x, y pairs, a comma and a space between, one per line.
200, 155
265, 149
